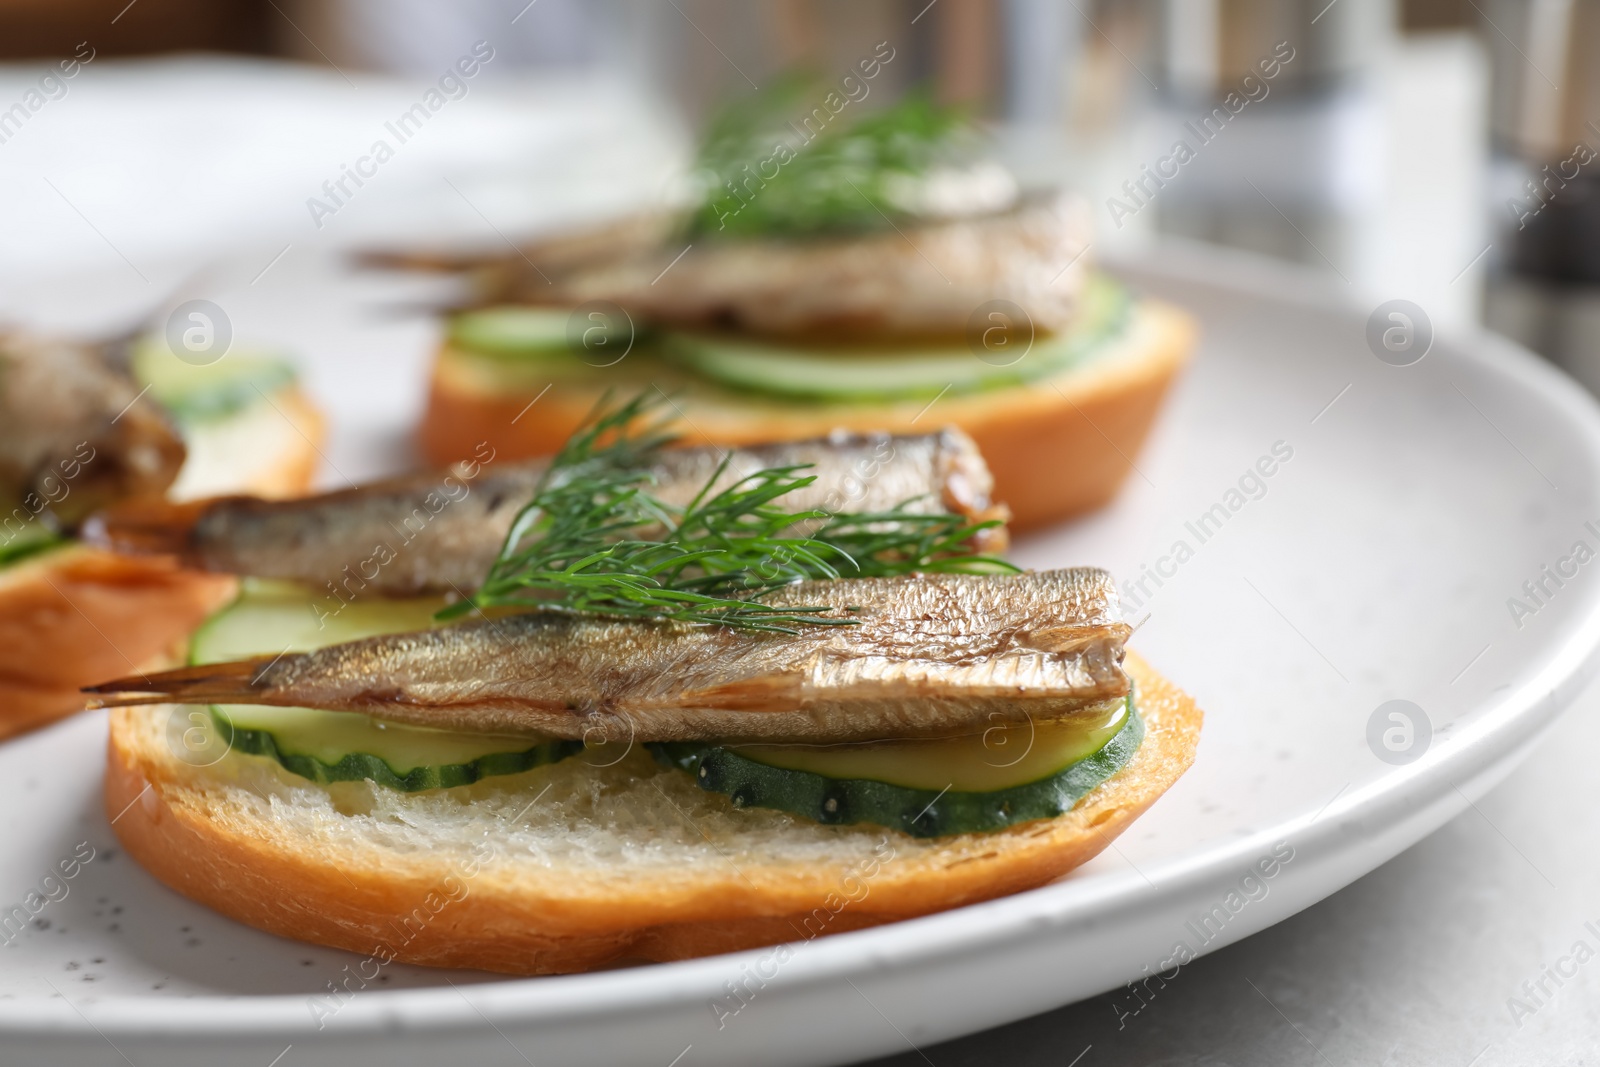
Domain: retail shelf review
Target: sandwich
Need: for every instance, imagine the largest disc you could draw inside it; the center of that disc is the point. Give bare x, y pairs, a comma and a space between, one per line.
878, 274
685, 708
78, 433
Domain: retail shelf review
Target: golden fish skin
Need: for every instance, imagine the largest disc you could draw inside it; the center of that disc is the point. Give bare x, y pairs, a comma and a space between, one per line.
931, 655
439, 532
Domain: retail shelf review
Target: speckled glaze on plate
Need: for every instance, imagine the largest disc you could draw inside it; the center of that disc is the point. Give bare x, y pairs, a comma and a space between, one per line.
1313, 534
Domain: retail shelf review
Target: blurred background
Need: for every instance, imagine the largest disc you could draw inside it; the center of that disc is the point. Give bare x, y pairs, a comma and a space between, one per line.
1431, 150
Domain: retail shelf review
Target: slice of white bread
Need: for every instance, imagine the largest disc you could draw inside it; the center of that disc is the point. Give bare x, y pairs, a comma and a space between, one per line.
574, 865
1057, 447
72, 616
269, 448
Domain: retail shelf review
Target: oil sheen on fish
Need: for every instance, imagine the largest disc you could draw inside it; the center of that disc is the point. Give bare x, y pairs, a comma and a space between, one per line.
930, 656
439, 532
73, 435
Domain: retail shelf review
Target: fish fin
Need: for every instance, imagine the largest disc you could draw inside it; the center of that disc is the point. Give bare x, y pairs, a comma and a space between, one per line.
770, 692
1065, 640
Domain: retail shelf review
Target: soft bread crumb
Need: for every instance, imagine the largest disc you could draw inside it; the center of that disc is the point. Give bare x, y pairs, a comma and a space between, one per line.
613, 822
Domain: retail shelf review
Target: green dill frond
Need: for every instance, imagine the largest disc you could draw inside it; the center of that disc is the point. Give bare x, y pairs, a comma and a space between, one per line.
596, 539
782, 162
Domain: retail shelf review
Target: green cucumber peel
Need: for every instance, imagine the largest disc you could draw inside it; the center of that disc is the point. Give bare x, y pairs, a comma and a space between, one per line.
359, 766
212, 391
921, 813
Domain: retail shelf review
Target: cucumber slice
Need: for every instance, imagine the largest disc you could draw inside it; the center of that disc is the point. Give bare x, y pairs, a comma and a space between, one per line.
900, 372
213, 391
893, 784
335, 746
511, 331
329, 746
1002, 757
519, 331
270, 617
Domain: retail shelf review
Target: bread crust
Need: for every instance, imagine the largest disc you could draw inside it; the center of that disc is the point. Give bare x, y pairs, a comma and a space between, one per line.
73, 616
1057, 447
545, 921
292, 473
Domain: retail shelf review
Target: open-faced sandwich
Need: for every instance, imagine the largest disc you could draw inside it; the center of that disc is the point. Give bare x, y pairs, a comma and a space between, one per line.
871, 274
78, 433
691, 702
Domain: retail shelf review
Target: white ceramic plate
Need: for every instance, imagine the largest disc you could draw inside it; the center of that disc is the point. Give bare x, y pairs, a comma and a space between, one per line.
1405, 506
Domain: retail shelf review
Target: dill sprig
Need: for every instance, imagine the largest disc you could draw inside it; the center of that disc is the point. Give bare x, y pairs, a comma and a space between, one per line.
767, 168
595, 539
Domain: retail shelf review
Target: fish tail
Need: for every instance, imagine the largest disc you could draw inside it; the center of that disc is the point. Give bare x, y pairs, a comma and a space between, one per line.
209, 683
147, 527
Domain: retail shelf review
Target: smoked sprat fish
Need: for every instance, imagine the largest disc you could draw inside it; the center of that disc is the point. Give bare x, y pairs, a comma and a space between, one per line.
860, 285
73, 435
440, 532
929, 656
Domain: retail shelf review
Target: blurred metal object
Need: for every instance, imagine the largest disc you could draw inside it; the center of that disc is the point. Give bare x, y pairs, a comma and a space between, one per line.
1041, 39
1545, 58
1316, 130
1547, 82
1278, 102
422, 37
1560, 322
1208, 46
